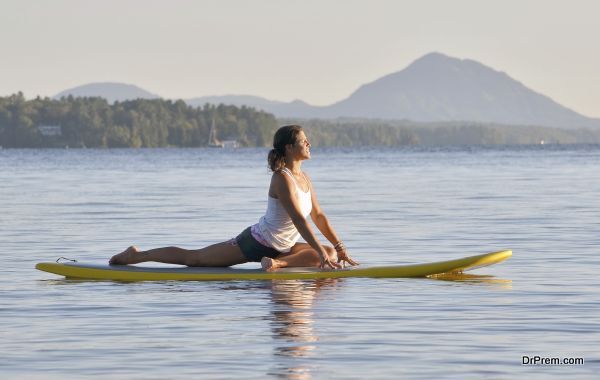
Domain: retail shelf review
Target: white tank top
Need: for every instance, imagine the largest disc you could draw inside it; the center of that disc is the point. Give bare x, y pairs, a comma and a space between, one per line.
276, 227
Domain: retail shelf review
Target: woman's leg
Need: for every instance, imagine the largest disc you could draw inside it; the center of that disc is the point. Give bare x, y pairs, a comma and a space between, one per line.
217, 255
301, 255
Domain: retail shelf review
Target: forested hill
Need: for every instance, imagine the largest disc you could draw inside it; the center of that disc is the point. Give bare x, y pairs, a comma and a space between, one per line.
94, 123
113, 92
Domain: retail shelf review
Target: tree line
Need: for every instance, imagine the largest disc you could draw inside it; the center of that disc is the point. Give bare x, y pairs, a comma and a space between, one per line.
94, 123
390, 133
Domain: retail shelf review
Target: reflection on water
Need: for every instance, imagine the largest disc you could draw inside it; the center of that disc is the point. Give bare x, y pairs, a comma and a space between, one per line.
467, 278
293, 318
291, 313
293, 324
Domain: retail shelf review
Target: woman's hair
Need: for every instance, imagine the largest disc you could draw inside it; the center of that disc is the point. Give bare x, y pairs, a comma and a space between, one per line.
284, 136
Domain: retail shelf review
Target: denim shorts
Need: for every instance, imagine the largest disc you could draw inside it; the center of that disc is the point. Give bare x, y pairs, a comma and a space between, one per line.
252, 249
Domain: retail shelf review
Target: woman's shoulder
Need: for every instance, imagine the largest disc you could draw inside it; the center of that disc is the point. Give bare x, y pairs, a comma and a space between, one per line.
283, 181
279, 177
278, 174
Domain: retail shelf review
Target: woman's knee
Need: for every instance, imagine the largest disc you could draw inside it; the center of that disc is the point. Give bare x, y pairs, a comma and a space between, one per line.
217, 255
192, 261
194, 258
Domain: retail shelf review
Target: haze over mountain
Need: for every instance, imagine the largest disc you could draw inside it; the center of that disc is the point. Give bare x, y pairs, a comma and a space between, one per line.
440, 88
433, 88
296, 108
110, 91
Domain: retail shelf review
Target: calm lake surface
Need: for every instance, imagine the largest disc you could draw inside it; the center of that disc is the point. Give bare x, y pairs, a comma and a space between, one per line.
390, 206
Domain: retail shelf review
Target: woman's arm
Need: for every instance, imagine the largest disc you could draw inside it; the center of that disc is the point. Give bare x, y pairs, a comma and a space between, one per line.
284, 189
320, 219
322, 223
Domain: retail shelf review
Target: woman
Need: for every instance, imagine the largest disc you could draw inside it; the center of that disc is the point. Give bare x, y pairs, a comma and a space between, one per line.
273, 241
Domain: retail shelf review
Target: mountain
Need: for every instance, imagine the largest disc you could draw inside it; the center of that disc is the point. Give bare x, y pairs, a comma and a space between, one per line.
440, 88
296, 107
435, 88
110, 91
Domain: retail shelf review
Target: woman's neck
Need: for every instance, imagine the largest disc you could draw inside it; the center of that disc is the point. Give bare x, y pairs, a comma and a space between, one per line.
294, 167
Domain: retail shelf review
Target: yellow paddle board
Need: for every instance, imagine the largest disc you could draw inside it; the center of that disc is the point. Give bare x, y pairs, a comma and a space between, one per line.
139, 273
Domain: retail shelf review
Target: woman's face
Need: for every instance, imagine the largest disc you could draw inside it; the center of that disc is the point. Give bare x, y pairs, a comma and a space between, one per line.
301, 148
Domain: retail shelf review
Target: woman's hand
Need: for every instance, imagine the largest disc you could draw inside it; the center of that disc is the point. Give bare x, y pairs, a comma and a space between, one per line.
326, 262
343, 256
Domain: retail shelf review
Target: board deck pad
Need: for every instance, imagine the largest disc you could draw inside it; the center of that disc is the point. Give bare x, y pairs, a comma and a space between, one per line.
78, 270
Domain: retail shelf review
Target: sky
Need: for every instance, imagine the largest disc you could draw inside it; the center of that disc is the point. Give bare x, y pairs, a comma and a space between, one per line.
319, 51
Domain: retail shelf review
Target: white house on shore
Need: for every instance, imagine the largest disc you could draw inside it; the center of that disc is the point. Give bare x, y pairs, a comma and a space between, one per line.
50, 130
231, 144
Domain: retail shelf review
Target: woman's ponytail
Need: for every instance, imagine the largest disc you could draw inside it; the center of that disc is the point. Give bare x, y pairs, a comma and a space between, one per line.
276, 160
284, 136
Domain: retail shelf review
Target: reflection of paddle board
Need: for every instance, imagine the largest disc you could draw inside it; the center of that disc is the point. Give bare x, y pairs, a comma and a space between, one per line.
135, 273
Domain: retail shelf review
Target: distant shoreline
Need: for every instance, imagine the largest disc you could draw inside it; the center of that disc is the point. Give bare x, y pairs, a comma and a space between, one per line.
94, 123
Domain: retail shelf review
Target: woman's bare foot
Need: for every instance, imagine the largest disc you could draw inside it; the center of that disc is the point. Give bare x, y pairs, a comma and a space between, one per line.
268, 264
128, 256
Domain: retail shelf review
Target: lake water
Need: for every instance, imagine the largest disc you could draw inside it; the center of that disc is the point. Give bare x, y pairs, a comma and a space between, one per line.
390, 206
